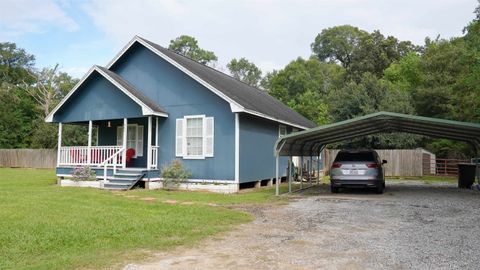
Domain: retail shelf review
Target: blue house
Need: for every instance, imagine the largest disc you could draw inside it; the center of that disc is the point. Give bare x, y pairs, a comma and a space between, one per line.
150, 106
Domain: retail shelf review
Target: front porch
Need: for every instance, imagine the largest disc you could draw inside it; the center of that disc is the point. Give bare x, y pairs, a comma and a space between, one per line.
116, 154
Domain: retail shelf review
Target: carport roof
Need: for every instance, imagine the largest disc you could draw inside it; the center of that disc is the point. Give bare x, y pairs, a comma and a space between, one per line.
310, 142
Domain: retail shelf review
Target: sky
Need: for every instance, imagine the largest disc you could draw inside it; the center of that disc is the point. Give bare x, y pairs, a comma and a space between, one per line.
271, 33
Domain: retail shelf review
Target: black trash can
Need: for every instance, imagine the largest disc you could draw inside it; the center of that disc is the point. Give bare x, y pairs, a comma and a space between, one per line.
466, 174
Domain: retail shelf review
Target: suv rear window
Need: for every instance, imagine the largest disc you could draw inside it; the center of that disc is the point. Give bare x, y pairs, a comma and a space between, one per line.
360, 156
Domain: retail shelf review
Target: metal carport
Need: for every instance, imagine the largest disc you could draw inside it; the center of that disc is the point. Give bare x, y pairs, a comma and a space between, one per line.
311, 142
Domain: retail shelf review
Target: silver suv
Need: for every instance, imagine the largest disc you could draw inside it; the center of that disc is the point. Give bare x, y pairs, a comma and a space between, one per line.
357, 168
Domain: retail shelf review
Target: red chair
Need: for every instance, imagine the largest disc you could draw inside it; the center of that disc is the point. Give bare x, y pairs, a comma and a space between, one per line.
130, 154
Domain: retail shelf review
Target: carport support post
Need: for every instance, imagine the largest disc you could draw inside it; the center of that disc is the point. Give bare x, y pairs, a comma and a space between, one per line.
277, 183
310, 171
289, 173
318, 170
301, 172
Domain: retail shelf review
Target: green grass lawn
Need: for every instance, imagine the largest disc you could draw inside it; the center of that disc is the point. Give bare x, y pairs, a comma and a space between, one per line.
44, 226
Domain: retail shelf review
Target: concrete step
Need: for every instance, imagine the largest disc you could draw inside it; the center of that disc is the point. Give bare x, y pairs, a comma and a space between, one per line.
131, 170
116, 186
121, 181
125, 177
132, 174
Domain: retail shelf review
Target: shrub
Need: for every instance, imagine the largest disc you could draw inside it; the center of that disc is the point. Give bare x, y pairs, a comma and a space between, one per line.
84, 174
174, 173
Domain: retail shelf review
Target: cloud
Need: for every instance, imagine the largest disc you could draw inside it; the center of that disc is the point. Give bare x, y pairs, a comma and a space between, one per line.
273, 32
32, 16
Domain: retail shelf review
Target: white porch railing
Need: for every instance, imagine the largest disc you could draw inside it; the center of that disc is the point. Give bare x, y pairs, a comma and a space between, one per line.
112, 161
154, 161
99, 155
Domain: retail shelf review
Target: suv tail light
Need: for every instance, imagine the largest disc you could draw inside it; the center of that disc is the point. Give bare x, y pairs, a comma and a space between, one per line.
336, 165
372, 165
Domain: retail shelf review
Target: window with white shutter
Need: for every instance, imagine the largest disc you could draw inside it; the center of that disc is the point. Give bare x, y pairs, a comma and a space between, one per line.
179, 137
194, 137
208, 139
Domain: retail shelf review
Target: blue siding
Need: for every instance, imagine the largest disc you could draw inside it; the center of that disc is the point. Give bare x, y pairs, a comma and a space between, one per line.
257, 139
97, 99
180, 95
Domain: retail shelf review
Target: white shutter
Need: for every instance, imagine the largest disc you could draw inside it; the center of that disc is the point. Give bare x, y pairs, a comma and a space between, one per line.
139, 140
208, 136
179, 137
119, 135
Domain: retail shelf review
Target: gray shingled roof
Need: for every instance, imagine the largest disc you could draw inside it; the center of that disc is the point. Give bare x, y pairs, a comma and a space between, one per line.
130, 88
247, 96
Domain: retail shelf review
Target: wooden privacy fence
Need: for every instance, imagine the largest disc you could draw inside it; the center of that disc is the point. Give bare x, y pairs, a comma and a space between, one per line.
28, 158
400, 162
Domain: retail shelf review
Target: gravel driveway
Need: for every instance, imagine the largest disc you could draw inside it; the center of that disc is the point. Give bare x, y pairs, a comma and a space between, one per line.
411, 226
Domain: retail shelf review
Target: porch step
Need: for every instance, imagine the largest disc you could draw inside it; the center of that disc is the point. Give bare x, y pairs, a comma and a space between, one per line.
128, 174
124, 179
114, 186
121, 180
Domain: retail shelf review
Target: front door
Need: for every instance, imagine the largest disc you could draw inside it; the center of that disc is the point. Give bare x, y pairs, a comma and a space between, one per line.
135, 144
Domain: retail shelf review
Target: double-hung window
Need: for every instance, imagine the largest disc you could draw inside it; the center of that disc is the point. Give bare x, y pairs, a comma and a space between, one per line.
194, 137
134, 138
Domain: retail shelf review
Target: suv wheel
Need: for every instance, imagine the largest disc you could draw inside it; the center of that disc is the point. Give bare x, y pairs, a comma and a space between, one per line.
379, 189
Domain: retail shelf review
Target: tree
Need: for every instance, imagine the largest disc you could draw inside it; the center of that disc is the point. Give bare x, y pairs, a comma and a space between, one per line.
311, 105
368, 96
338, 44
375, 53
16, 112
302, 76
405, 73
188, 46
245, 71
16, 107
49, 88
266, 81
359, 51
303, 85
467, 85
15, 63
440, 69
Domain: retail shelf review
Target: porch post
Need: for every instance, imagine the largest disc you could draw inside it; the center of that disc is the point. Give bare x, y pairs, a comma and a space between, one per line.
124, 154
59, 144
156, 130
89, 148
149, 143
